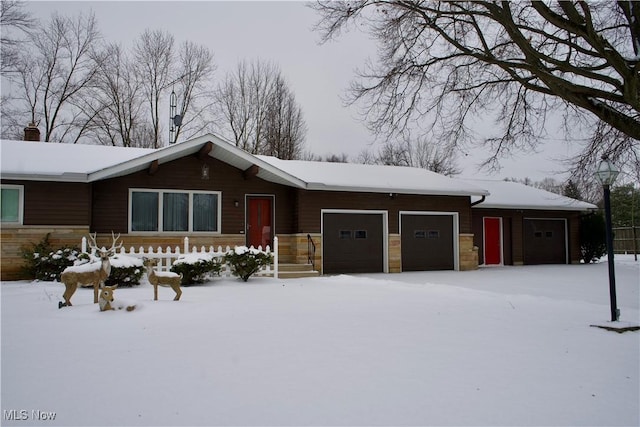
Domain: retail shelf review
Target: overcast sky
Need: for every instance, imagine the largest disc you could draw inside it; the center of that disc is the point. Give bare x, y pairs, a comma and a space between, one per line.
281, 32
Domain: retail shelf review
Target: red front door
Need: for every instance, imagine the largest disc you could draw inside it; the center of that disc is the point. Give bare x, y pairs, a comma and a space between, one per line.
259, 210
492, 241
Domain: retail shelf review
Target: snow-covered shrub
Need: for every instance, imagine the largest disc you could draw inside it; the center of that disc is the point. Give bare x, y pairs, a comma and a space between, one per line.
42, 262
196, 267
592, 238
244, 261
125, 271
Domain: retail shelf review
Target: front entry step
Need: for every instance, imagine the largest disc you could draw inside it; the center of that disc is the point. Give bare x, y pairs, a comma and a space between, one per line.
291, 271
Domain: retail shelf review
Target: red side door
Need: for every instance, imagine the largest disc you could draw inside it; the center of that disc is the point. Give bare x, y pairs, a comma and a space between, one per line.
492, 241
259, 221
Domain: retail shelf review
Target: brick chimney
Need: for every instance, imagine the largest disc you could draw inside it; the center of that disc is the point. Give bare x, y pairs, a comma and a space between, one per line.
32, 133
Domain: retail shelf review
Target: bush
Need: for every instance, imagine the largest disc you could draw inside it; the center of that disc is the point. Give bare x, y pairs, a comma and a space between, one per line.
196, 267
42, 262
244, 262
592, 237
125, 271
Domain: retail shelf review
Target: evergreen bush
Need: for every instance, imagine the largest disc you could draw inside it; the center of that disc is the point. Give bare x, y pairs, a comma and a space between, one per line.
245, 262
126, 271
196, 268
592, 237
43, 262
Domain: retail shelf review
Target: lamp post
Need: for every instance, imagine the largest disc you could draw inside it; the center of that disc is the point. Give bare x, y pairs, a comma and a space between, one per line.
607, 174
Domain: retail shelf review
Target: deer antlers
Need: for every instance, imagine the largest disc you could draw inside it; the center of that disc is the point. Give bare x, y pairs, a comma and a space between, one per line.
112, 250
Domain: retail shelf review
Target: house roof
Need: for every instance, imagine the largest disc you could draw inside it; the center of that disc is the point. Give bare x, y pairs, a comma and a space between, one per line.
373, 178
39, 161
513, 195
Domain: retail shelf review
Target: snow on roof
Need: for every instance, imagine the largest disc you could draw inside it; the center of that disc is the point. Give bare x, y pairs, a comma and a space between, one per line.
372, 178
60, 162
513, 195
86, 163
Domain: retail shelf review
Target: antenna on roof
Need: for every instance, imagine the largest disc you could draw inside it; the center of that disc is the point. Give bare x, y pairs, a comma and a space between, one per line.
176, 119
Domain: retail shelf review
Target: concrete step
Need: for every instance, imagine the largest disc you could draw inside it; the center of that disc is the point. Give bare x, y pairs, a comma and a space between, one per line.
294, 267
294, 271
297, 274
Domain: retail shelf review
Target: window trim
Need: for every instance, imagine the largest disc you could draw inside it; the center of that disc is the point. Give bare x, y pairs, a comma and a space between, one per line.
20, 189
160, 192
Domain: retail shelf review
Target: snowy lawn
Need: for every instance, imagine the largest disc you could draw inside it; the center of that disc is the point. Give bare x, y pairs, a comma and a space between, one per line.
497, 346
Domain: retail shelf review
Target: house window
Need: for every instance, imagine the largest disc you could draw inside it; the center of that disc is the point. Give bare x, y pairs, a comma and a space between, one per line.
11, 197
174, 211
205, 212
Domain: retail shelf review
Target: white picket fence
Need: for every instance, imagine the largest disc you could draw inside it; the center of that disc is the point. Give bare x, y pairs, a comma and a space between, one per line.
167, 256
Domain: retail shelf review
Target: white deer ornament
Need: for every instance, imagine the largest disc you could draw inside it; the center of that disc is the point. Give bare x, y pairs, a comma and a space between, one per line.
167, 278
92, 274
107, 301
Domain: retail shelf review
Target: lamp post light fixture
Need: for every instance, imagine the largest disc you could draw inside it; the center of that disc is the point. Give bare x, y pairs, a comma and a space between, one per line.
607, 174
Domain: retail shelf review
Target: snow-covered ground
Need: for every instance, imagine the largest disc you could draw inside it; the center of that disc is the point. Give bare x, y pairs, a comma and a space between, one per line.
497, 346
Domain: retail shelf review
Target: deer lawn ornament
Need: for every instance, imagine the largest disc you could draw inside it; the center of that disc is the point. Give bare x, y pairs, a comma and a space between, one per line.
106, 300
168, 278
93, 274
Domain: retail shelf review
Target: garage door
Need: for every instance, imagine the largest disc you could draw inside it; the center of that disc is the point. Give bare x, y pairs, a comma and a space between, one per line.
427, 242
544, 241
352, 243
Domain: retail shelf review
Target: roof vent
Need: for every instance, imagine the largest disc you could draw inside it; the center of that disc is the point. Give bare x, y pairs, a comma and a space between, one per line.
32, 133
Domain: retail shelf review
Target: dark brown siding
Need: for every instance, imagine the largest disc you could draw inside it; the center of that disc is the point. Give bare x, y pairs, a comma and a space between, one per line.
311, 202
55, 203
111, 197
512, 222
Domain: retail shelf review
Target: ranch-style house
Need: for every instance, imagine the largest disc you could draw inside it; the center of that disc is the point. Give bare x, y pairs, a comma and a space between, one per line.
344, 218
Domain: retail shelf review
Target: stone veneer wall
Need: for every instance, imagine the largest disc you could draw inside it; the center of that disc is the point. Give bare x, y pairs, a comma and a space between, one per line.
293, 249
12, 239
395, 253
468, 252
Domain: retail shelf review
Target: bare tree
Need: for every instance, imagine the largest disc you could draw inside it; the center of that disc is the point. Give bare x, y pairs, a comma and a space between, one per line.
414, 153
443, 64
118, 93
259, 112
153, 52
53, 72
194, 70
285, 127
16, 24
242, 100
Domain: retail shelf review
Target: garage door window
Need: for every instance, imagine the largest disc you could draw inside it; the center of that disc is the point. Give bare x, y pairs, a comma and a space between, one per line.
434, 234
360, 234
344, 234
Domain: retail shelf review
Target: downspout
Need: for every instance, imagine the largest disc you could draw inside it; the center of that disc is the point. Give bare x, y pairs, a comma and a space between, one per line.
477, 202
